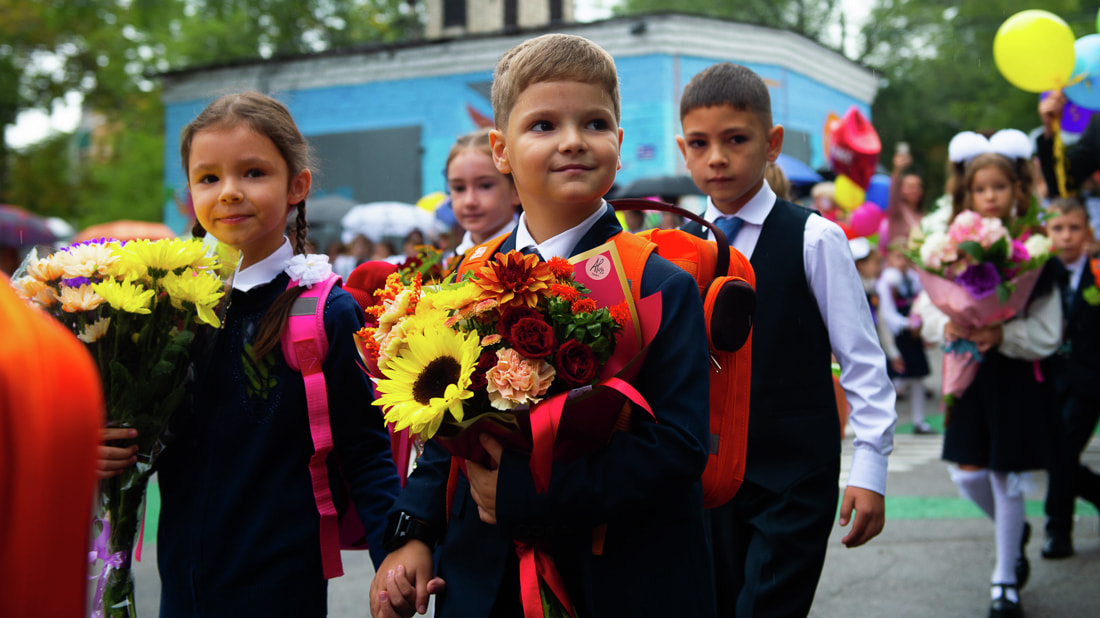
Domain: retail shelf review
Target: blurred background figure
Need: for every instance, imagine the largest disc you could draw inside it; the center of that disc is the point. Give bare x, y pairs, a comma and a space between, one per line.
906, 203
51, 409
777, 180
635, 221
824, 194
485, 201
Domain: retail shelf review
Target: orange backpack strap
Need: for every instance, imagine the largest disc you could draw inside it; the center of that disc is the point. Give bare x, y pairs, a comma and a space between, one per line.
478, 255
633, 253
727, 284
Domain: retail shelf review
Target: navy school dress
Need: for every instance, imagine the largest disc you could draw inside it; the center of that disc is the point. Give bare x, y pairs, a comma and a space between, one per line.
645, 485
239, 526
1005, 420
910, 346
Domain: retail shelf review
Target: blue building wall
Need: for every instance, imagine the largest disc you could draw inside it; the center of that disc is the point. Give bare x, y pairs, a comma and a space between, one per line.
440, 107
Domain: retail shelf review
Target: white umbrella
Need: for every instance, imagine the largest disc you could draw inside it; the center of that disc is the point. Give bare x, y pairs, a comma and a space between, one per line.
378, 220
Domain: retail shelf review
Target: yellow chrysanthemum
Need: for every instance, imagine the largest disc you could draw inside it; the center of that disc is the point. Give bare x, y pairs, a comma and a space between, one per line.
86, 260
125, 296
430, 378
169, 255
203, 290
228, 259
452, 299
77, 299
94, 331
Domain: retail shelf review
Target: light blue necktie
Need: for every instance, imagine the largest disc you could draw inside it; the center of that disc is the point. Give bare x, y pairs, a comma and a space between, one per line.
730, 226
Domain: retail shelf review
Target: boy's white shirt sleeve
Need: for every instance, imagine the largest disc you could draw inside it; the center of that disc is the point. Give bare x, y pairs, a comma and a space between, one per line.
1038, 334
836, 286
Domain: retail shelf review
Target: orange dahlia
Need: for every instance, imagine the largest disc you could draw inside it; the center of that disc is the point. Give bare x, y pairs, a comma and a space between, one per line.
514, 279
561, 268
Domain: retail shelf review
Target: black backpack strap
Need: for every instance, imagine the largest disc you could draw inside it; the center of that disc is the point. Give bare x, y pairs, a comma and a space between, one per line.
722, 263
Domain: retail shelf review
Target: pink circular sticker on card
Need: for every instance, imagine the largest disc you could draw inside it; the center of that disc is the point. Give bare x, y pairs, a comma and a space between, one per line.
598, 267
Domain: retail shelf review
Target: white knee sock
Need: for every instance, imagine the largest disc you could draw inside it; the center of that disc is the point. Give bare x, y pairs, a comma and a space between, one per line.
974, 486
1010, 525
916, 400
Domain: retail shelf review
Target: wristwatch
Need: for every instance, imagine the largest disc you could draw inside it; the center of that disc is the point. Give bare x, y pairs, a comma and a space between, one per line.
403, 527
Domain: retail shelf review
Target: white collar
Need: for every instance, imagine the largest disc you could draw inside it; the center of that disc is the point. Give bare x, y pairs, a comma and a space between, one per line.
468, 240
754, 211
265, 270
562, 244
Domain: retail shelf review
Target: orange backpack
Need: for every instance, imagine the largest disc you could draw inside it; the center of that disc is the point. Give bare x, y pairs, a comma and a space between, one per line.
727, 285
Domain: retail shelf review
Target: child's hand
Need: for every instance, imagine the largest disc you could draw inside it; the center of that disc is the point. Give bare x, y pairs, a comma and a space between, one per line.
1050, 109
870, 510
953, 331
483, 481
112, 460
898, 364
987, 337
403, 582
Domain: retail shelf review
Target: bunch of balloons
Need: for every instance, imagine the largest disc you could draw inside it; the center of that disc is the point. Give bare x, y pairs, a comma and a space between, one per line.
852, 146
1035, 51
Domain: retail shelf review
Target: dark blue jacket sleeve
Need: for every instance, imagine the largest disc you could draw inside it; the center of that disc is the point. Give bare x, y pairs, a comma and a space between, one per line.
359, 434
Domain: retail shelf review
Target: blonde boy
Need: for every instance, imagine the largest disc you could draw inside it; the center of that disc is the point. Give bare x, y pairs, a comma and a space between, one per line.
556, 106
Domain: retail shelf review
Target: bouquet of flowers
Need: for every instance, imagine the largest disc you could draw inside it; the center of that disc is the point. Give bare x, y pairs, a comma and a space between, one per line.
140, 306
521, 350
979, 273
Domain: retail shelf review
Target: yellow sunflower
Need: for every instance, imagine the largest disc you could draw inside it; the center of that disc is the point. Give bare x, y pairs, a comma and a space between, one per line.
428, 379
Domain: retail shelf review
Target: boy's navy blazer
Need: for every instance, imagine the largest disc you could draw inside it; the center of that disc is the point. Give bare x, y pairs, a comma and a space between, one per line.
1082, 335
644, 485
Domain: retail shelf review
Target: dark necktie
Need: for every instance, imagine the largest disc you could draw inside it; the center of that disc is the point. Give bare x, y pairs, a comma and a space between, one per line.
532, 250
1067, 295
730, 226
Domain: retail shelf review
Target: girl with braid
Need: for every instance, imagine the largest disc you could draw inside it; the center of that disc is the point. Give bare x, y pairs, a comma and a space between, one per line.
239, 526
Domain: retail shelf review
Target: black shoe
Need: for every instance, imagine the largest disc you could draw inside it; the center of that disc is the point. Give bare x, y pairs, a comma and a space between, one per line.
1023, 567
923, 429
1058, 545
1002, 606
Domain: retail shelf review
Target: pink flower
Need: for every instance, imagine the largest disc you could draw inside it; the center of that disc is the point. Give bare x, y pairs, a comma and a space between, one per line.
966, 226
990, 231
515, 380
1019, 252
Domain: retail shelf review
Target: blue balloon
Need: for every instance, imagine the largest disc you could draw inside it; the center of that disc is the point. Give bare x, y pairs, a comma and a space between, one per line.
1086, 68
878, 191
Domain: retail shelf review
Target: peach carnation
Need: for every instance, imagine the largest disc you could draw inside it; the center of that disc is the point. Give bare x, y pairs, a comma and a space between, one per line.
515, 380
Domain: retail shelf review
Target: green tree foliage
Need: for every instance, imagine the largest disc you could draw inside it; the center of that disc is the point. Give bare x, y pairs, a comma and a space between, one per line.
939, 76
110, 52
810, 18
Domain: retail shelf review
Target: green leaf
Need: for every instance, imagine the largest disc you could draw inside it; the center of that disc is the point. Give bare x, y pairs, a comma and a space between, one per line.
1003, 293
973, 249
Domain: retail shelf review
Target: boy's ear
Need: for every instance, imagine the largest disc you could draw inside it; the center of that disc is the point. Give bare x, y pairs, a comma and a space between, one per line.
500, 151
299, 187
775, 142
683, 146
619, 159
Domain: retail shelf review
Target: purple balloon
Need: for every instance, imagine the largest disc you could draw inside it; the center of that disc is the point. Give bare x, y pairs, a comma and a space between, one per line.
1074, 117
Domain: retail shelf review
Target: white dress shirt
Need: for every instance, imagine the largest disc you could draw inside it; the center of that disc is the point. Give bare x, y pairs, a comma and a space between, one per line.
838, 291
265, 270
468, 240
562, 244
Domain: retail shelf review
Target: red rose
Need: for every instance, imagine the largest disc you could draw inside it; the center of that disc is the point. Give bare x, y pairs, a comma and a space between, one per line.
576, 364
533, 338
509, 318
485, 362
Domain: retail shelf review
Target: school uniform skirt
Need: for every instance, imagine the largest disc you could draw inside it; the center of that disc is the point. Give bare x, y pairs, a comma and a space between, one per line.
1005, 421
912, 352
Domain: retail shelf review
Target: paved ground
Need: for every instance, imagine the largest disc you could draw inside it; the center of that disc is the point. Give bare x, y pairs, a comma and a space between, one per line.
933, 559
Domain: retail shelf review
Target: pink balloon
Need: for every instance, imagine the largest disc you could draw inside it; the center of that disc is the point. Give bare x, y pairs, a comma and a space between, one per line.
866, 219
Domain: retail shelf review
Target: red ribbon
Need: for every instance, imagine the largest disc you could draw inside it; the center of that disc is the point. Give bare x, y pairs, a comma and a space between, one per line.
535, 566
545, 419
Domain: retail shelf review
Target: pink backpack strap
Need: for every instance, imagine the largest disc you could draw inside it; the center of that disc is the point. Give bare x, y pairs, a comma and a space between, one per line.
304, 346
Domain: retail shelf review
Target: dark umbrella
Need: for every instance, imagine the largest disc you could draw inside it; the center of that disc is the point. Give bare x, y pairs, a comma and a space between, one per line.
662, 186
20, 228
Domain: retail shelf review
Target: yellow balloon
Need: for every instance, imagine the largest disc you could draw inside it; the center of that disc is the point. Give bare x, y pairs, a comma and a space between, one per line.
848, 194
1034, 51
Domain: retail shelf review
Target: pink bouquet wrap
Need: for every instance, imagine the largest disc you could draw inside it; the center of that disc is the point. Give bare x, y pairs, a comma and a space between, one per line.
961, 357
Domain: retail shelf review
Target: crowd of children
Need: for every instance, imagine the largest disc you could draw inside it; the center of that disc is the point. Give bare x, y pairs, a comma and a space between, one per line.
239, 518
